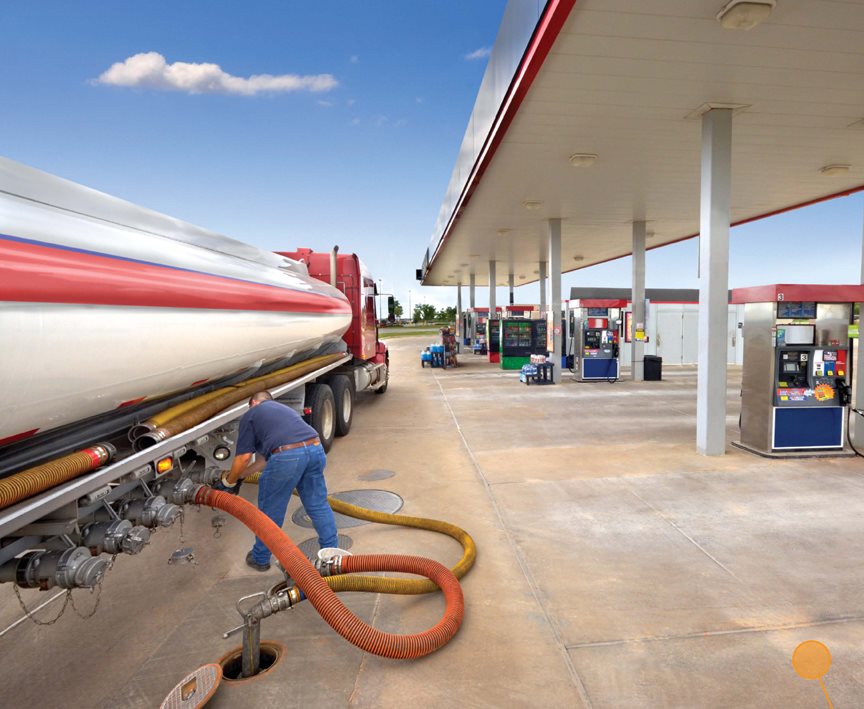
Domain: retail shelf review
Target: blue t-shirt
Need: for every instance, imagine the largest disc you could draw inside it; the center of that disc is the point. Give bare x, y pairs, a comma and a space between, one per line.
270, 425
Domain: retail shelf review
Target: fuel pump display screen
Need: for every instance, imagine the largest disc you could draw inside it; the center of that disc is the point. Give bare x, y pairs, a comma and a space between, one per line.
792, 309
597, 312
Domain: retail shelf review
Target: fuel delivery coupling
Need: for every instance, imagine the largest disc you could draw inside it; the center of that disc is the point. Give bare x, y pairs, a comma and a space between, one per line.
67, 568
329, 561
115, 537
154, 511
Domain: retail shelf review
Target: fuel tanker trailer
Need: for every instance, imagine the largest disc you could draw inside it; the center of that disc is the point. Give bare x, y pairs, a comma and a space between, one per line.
131, 342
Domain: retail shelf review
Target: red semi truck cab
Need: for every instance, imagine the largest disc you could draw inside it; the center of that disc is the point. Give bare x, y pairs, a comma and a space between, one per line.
355, 280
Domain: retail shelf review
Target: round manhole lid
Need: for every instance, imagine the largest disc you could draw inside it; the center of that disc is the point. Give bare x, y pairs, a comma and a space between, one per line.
376, 500
196, 689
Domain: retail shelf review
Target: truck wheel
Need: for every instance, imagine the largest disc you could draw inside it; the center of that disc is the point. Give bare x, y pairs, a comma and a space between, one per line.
343, 395
323, 417
383, 387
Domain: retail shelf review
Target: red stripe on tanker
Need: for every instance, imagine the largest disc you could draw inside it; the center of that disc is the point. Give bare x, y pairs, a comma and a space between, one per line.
106, 302
40, 273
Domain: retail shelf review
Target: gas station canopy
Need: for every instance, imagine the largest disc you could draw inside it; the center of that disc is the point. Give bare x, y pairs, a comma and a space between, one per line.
590, 111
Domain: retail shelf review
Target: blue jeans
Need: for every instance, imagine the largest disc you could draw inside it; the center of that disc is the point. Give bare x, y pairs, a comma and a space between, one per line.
302, 468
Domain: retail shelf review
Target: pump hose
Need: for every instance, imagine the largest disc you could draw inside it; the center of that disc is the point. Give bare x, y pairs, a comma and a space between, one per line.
383, 584
32, 481
325, 600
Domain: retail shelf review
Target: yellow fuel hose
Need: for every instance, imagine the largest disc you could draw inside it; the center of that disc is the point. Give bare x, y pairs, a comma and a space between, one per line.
32, 481
202, 411
383, 584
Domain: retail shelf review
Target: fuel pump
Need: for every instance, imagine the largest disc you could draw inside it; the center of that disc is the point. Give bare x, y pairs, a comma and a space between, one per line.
596, 331
797, 365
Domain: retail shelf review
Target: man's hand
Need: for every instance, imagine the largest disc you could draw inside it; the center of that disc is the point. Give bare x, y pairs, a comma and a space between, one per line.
224, 486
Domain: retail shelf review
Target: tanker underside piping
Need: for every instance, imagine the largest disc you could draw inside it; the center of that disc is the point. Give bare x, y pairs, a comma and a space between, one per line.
14, 518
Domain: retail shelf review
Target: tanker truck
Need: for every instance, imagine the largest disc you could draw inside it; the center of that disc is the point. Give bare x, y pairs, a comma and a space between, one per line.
131, 344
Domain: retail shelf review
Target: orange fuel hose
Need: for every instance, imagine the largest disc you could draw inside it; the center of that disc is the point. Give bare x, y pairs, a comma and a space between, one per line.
32, 481
327, 603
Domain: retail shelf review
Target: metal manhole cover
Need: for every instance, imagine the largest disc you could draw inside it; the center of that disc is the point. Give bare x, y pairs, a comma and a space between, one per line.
196, 689
309, 547
376, 475
377, 500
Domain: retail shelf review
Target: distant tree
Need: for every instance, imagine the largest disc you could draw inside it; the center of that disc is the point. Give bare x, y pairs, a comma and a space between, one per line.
424, 312
446, 314
397, 309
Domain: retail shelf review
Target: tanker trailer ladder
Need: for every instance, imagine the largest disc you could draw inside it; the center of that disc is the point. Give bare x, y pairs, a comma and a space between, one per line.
379, 584
311, 585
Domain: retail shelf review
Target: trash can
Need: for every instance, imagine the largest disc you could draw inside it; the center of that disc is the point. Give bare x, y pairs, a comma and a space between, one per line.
653, 368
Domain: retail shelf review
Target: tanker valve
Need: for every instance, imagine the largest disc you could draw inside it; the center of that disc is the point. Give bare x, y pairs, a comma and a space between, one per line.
116, 537
154, 511
75, 567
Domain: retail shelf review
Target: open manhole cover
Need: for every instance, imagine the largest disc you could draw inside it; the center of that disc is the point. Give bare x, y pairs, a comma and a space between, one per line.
377, 500
309, 547
370, 475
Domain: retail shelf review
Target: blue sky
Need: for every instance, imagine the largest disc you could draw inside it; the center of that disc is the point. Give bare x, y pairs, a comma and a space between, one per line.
363, 161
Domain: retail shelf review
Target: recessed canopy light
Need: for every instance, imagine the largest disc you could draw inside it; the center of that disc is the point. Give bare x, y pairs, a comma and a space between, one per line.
578, 258
532, 204
536, 273
744, 14
464, 265
857, 125
835, 169
649, 234
582, 159
503, 231
522, 275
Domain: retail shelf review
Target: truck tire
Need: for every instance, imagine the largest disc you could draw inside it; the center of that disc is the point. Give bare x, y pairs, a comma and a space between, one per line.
343, 395
323, 416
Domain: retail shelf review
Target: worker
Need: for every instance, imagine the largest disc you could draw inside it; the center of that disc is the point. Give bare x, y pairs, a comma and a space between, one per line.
290, 454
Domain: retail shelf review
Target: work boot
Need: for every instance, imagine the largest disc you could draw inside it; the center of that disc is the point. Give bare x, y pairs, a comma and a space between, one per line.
250, 562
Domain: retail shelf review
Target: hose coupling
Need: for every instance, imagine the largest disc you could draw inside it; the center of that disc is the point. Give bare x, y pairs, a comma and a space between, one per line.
180, 492
75, 567
154, 511
116, 537
150, 438
280, 601
329, 561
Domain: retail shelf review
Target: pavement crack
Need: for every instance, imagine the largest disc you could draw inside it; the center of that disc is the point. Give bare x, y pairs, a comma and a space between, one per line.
684, 534
520, 559
352, 698
716, 633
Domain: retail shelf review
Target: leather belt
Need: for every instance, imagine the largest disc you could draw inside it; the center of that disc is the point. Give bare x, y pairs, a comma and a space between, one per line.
301, 444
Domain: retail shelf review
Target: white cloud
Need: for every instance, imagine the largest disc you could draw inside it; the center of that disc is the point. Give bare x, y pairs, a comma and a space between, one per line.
350, 102
326, 104
481, 53
355, 59
150, 70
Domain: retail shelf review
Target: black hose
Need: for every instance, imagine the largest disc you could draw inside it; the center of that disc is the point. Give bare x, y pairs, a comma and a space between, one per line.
849, 431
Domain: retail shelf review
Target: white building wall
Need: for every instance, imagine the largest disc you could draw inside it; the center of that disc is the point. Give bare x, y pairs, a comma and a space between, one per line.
672, 330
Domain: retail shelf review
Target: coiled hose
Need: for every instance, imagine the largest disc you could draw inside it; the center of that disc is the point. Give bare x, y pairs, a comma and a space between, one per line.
383, 584
325, 600
32, 481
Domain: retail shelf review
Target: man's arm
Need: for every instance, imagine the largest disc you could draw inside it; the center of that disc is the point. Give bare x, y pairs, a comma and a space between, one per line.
239, 469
